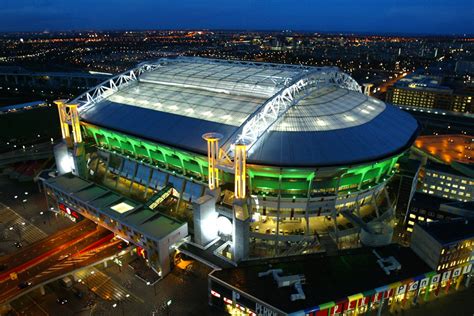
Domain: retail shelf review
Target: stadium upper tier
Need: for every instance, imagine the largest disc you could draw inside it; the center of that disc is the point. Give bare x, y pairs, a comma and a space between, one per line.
304, 116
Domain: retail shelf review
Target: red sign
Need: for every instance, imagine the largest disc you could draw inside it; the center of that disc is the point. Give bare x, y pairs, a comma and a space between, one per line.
141, 252
377, 297
388, 293
68, 211
339, 308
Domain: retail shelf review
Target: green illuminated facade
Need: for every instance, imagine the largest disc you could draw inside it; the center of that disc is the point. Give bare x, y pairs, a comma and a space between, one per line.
261, 179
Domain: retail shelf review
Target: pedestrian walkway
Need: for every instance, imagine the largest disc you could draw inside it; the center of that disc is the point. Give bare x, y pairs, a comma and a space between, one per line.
16, 228
104, 287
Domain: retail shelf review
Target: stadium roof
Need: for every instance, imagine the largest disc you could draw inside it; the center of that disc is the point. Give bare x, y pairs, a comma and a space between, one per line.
176, 101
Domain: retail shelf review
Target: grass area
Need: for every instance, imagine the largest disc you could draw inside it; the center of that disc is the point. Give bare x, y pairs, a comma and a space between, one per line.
23, 127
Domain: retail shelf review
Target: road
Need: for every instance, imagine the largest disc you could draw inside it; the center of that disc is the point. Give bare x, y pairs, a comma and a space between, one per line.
64, 255
44, 246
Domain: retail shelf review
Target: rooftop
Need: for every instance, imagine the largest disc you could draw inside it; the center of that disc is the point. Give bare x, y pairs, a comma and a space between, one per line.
428, 202
452, 169
328, 124
328, 278
449, 231
148, 222
447, 148
422, 82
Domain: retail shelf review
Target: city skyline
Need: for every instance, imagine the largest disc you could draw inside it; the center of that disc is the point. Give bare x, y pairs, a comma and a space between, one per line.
393, 17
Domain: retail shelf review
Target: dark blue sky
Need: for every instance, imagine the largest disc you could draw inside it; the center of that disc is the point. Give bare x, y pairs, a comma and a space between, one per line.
376, 16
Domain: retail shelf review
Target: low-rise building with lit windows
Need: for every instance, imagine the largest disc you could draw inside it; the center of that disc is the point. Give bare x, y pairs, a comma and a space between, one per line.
428, 208
265, 158
444, 244
455, 181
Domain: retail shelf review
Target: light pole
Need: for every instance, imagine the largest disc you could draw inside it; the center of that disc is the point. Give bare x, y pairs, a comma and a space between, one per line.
154, 287
46, 214
17, 228
114, 305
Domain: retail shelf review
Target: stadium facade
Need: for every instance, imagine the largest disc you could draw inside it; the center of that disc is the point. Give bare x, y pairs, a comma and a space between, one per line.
267, 158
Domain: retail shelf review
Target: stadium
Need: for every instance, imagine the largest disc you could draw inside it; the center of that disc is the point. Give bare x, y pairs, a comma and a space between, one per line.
255, 159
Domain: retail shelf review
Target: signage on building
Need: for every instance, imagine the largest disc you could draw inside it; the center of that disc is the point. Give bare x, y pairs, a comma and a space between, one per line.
401, 289
71, 214
413, 286
435, 279
364, 301
388, 293
424, 283
141, 252
467, 269
457, 272
337, 309
446, 276
263, 310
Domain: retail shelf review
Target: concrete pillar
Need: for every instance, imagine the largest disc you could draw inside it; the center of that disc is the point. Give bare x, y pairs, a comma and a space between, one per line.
122, 163
205, 219
80, 162
105, 264
42, 290
468, 280
379, 310
241, 231
132, 178
374, 203
150, 175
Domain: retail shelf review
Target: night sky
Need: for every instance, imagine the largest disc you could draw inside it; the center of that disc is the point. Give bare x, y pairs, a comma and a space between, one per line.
363, 16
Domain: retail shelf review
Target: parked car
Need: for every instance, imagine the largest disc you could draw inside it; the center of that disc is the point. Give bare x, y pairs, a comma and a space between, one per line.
24, 285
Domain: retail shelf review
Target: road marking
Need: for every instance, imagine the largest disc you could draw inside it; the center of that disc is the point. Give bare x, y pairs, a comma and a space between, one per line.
39, 306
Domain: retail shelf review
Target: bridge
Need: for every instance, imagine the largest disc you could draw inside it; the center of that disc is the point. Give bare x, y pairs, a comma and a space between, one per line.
51, 80
63, 253
30, 153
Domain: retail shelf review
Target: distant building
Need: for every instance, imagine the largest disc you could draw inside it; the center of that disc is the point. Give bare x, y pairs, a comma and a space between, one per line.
431, 92
453, 182
445, 245
464, 67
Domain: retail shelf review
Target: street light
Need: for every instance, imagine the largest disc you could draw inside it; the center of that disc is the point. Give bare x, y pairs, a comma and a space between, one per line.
154, 287
114, 305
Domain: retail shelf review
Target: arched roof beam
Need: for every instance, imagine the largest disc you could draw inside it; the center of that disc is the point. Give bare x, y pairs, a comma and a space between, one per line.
258, 123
